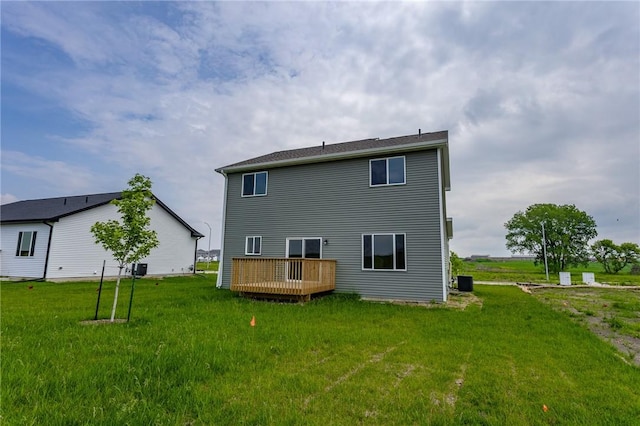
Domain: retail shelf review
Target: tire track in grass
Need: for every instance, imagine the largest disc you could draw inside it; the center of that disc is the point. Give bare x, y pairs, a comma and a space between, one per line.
408, 371
374, 359
451, 397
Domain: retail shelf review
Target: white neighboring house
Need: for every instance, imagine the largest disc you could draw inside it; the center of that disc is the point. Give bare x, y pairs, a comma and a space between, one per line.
51, 238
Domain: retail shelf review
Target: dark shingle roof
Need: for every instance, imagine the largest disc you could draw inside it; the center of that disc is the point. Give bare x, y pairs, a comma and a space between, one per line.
52, 209
327, 152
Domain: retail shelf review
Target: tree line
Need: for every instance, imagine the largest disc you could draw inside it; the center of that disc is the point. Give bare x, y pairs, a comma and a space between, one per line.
561, 234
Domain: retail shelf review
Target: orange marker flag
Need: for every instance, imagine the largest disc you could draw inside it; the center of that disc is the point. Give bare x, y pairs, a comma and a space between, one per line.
253, 321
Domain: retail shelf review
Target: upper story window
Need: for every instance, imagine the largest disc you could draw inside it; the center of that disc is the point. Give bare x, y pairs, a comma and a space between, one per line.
254, 184
384, 251
387, 171
26, 243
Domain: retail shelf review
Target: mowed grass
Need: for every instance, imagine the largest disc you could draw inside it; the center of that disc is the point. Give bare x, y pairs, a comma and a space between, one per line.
189, 356
208, 266
525, 271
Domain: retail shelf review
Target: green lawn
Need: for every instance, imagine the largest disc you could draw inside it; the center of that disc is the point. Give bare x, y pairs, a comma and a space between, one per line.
525, 271
207, 266
189, 356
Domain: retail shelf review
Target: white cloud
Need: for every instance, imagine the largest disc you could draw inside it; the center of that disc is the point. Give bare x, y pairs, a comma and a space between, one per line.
47, 175
8, 198
542, 101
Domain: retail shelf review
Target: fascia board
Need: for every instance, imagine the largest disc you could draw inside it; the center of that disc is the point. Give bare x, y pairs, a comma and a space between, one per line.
446, 168
194, 233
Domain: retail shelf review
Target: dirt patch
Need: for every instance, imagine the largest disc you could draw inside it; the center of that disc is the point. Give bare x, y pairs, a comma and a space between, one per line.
461, 300
456, 300
611, 314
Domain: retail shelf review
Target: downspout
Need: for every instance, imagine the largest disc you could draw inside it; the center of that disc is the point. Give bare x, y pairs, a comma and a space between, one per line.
443, 225
224, 216
46, 259
195, 255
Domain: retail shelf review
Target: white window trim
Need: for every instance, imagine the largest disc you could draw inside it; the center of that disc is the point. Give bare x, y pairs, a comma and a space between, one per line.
406, 261
286, 252
266, 186
246, 241
404, 176
32, 246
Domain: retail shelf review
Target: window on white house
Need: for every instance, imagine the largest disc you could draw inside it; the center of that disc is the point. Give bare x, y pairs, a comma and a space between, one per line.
253, 246
254, 184
387, 171
26, 243
384, 251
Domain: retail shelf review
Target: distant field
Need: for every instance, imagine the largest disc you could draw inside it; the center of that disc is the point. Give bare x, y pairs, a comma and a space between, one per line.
207, 266
526, 271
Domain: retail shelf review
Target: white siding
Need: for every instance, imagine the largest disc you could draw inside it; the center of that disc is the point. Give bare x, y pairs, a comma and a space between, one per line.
75, 254
28, 266
177, 248
73, 251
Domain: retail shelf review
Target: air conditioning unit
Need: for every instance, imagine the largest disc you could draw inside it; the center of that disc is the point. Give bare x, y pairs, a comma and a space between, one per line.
140, 269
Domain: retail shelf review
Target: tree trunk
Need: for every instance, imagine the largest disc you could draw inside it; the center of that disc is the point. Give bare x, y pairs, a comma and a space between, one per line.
115, 296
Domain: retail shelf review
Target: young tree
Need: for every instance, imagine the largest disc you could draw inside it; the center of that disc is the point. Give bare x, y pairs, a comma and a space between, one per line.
456, 263
129, 240
615, 257
567, 233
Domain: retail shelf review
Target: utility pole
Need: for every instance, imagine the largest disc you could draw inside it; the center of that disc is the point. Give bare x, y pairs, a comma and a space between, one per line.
544, 251
209, 249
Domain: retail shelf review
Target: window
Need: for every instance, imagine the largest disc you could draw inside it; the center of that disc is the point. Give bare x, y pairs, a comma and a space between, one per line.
387, 171
303, 248
26, 243
384, 251
254, 184
307, 248
253, 246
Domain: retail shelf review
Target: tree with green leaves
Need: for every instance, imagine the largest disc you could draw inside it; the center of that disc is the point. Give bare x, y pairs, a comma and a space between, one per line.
615, 257
131, 239
567, 232
456, 263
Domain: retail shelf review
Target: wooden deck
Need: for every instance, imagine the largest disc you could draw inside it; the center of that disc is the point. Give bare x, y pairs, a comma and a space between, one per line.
282, 277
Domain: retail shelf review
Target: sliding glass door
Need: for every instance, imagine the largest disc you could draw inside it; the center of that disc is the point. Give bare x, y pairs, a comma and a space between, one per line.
302, 248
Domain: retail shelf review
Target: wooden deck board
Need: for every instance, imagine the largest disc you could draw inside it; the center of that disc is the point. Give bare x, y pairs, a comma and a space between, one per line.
273, 276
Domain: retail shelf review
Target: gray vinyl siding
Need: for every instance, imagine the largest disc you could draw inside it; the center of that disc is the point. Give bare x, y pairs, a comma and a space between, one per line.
334, 201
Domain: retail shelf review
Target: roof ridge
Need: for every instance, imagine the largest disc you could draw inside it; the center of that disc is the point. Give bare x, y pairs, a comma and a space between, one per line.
66, 196
340, 148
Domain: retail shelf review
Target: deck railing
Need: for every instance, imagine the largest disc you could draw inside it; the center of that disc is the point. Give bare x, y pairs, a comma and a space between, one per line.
283, 276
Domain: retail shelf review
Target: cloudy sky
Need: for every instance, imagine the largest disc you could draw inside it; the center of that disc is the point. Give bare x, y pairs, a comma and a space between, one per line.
541, 100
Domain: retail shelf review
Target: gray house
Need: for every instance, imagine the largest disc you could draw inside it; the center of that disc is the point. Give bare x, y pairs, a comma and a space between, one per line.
373, 210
